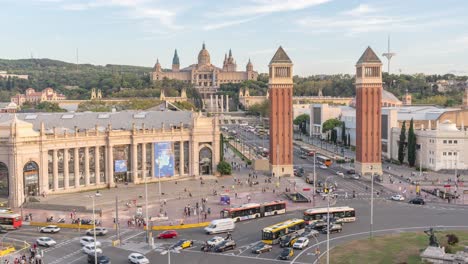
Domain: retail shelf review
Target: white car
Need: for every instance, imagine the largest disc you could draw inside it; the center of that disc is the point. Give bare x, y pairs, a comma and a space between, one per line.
397, 197
355, 176
89, 249
45, 241
323, 167
215, 241
301, 243
138, 258
100, 231
50, 229
339, 173
87, 240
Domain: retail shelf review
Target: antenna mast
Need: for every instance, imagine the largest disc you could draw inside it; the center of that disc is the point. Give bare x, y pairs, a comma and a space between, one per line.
389, 55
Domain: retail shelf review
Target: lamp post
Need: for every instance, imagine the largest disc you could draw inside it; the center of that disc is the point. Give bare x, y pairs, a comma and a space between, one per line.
146, 208
372, 201
328, 219
94, 228
315, 178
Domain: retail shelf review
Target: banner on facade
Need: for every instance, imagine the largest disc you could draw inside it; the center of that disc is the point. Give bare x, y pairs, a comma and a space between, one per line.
120, 166
164, 159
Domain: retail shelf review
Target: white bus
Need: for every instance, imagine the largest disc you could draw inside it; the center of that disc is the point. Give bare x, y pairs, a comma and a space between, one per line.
341, 214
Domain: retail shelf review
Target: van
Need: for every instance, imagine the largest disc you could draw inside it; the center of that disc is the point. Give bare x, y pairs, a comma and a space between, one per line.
220, 226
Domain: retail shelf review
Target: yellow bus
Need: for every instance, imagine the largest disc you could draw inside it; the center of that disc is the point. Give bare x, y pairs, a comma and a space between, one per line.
272, 234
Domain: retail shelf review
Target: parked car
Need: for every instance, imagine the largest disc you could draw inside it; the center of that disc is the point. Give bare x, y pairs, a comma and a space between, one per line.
101, 259
138, 258
86, 240
225, 245
89, 249
100, 231
50, 229
334, 228
45, 242
417, 200
167, 234
397, 197
301, 243
286, 254
214, 241
261, 247
182, 244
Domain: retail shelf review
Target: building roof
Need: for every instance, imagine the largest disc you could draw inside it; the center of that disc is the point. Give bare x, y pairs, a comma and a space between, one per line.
175, 60
386, 95
421, 112
280, 57
88, 120
369, 56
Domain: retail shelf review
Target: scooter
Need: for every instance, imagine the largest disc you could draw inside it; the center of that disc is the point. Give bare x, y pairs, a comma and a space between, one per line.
61, 220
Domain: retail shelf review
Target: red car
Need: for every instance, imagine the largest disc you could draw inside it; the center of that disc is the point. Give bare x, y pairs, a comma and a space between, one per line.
168, 234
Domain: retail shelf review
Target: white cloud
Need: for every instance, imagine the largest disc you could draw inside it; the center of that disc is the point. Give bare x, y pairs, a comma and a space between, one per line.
213, 26
360, 10
258, 7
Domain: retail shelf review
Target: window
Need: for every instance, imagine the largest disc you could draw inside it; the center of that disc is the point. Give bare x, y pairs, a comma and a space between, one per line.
455, 142
450, 141
454, 153
445, 141
450, 153
445, 153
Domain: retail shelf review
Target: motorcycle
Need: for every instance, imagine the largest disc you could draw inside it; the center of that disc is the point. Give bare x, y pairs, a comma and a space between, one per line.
61, 220
206, 248
50, 219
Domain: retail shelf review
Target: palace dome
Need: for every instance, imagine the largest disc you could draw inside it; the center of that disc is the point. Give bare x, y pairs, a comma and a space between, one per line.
203, 56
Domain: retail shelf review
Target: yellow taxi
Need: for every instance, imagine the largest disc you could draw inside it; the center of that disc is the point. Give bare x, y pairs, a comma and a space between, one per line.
182, 244
286, 254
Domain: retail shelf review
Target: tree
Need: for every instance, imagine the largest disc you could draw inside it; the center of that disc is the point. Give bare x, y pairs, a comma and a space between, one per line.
343, 133
349, 140
411, 145
301, 121
49, 107
330, 124
401, 143
224, 168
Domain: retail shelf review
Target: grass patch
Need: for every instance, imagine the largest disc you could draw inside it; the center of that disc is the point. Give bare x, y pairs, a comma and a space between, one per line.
394, 248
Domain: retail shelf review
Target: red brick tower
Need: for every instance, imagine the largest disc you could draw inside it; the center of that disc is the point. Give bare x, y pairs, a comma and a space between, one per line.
280, 86
368, 114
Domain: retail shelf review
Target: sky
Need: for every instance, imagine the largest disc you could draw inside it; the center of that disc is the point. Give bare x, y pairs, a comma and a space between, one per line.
320, 36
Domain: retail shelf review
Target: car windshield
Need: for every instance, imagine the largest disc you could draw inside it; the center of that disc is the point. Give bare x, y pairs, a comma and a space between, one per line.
285, 252
140, 257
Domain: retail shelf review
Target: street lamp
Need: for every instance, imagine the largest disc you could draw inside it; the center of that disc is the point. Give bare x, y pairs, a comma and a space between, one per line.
94, 228
372, 201
328, 219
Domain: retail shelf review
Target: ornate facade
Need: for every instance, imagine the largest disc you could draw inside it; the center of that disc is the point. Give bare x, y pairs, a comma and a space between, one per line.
204, 75
46, 95
57, 153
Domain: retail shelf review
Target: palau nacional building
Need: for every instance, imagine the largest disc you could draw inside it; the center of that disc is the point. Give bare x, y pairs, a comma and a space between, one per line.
53, 153
205, 76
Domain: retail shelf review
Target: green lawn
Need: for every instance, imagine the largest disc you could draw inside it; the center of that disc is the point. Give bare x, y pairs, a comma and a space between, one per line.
395, 248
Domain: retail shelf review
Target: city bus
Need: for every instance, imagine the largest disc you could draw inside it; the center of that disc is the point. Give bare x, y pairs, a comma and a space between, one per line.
273, 234
341, 214
10, 220
254, 210
307, 151
324, 160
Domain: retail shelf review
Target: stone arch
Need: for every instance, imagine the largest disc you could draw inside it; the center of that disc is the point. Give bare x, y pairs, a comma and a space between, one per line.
4, 180
31, 179
205, 160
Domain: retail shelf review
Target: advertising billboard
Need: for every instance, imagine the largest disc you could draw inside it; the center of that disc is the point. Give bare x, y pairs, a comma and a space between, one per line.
120, 166
164, 159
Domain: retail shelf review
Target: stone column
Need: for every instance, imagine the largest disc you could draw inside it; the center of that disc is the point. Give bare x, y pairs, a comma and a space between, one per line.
195, 158
216, 100
77, 168
227, 103
181, 158
55, 164
143, 161
134, 153
110, 166
66, 172
211, 102
222, 103
97, 166
86, 167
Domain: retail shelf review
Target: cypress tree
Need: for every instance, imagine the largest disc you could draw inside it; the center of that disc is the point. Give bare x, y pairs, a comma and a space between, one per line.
401, 144
411, 145
349, 140
343, 133
221, 146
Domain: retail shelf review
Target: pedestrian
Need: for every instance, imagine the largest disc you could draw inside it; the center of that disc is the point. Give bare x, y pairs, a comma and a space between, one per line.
205, 215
